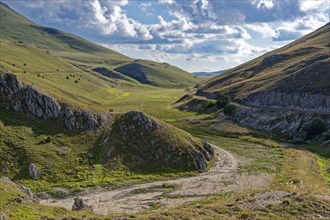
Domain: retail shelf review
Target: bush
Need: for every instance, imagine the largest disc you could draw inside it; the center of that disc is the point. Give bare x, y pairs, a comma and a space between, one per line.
229, 109
222, 101
315, 127
76, 81
210, 104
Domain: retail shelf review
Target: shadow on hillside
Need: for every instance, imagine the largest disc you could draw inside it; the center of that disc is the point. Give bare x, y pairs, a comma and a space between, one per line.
38, 126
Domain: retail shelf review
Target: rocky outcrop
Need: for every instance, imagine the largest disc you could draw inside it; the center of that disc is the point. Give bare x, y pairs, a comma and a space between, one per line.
21, 98
144, 142
34, 172
287, 123
290, 101
27, 195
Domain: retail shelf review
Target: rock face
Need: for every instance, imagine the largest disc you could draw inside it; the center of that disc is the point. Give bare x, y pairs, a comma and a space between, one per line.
147, 143
284, 122
290, 101
30, 99
34, 172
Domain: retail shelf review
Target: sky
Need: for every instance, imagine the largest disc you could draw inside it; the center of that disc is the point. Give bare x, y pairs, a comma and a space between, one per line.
195, 35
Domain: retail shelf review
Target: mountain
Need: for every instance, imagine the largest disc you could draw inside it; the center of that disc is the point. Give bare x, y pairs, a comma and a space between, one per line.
29, 49
209, 74
286, 91
298, 69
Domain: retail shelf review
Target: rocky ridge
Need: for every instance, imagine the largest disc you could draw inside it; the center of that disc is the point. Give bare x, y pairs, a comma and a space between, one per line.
291, 124
28, 98
155, 144
290, 101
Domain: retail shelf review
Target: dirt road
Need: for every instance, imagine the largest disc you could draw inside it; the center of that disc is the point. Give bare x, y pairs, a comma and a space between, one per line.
222, 177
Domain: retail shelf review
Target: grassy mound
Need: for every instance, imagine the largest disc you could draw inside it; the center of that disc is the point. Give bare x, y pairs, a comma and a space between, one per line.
144, 143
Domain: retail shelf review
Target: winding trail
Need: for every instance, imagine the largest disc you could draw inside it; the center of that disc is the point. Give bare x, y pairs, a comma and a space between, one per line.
222, 177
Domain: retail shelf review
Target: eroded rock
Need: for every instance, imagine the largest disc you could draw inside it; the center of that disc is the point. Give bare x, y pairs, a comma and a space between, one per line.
31, 100
34, 172
79, 204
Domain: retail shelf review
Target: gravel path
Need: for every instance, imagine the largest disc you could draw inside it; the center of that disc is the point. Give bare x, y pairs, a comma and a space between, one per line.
222, 177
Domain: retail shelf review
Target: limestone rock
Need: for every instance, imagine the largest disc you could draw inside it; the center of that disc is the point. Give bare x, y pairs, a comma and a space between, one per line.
30, 99
34, 172
290, 101
28, 195
79, 204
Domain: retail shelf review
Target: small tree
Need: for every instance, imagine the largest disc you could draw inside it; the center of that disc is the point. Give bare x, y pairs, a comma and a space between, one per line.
222, 101
229, 109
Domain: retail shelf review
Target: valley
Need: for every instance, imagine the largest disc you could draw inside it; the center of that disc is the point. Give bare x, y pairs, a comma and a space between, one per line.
139, 139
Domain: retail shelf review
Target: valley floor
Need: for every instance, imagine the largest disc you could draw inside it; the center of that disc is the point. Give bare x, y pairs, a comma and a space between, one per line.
222, 177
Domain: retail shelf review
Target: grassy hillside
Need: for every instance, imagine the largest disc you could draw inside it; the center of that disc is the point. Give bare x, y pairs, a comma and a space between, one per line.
46, 57
158, 74
283, 70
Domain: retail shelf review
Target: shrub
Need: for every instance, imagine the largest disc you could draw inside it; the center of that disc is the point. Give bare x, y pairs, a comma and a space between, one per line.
67, 77
222, 101
76, 81
210, 104
315, 127
229, 109
24, 64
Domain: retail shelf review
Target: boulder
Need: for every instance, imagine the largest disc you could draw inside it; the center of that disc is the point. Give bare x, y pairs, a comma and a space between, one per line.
79, 204
34, 172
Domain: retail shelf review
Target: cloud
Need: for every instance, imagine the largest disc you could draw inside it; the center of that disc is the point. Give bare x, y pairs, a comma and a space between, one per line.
189, 30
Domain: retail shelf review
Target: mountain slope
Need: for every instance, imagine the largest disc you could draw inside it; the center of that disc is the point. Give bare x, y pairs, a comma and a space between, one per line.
29, 48
285, 92
298, 69
15, 27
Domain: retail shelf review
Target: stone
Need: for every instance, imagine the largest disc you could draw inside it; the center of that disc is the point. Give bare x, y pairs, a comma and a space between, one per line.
79, 204
63, 151
34, 172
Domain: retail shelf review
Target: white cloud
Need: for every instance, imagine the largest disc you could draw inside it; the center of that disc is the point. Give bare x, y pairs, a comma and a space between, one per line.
264, 29
308, 5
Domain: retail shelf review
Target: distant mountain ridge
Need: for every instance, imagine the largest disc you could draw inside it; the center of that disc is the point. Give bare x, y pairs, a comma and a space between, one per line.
209, 74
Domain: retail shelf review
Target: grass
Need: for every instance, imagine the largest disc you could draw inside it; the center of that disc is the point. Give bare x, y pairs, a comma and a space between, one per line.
227, 206
23, 140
